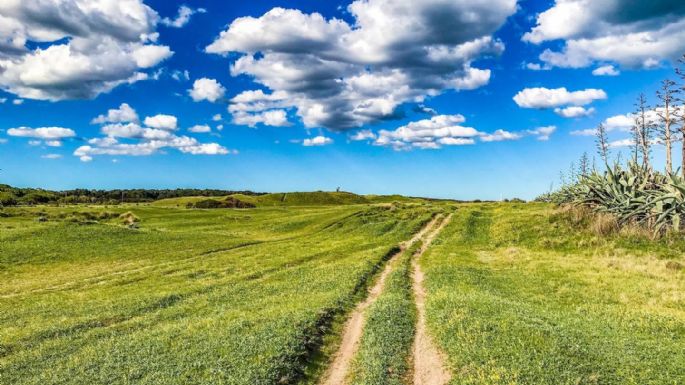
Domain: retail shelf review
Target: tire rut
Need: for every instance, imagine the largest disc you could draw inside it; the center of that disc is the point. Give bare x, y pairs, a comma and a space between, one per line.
339, 369
429, 364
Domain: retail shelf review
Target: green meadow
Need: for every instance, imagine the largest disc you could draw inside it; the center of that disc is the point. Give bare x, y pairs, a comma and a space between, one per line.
517, 293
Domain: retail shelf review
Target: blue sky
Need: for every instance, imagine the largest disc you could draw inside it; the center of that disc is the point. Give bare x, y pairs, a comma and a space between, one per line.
431, 127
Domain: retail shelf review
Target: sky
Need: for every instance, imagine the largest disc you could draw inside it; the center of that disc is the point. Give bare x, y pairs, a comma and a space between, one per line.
466, 99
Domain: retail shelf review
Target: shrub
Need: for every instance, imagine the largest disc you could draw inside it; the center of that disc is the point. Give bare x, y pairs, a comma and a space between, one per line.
129, 219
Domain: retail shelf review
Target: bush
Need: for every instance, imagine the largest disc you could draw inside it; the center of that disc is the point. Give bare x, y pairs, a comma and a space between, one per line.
129, 219
7, 199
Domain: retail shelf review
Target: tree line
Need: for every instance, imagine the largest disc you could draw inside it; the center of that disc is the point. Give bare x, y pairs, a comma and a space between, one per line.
11, 196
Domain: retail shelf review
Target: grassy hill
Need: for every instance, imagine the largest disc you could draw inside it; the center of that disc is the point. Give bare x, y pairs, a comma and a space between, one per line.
315, 198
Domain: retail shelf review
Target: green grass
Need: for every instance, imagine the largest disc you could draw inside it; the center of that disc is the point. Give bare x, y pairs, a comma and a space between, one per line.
518, 296
192, 297
317, 198
383, 356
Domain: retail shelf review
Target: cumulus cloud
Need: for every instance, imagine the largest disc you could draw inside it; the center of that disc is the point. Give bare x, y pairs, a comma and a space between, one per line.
317, 141
117, 115
18, 102
157, 134
87, 47
51, 156
630, 33
541, 97
542, 133
607, 70
183, 17
500, 135
55, 133
363, 135
342, 75
217, 118
448, 130
161, 121
274, 118
574, 111
206, 89
200, 128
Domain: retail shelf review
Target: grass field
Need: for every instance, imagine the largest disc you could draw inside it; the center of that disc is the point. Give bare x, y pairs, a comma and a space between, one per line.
193, 296
518, 296
515, 294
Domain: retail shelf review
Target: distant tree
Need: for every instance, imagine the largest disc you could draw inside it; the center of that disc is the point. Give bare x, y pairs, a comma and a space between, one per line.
602, 143
643, 129
666, 95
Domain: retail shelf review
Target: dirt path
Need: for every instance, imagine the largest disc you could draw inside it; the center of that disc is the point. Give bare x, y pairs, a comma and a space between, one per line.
353, 330
429, 367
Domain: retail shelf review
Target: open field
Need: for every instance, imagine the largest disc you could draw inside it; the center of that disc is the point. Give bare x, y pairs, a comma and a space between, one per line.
193, 296
511, 294
518, 296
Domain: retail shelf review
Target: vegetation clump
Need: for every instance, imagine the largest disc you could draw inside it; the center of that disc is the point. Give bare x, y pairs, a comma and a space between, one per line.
129, 220
227, 203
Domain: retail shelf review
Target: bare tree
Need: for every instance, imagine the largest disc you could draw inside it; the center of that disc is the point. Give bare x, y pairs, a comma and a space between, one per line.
602, 142
635, 133
665, 111
643, 129
584, 166
681, 100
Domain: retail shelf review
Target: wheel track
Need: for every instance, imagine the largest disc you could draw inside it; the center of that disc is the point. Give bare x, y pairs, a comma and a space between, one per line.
429, 364
338, 371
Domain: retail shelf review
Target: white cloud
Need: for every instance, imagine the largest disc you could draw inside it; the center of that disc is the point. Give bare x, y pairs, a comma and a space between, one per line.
206, 89
630, 33
274, 118
200, 128
118, 115
585, 132
51, 156
18, 102
607, 70
574, 111
183, 17
622, 143
90, 47
500, 135
541, 97
180, 75
3, 100
429, 133
53, 143
220, 127
363, 135
447, 130
542, 133
111, 146
161, 121
42, 132
3, 140
317, 141
217, 118
342, 75
538, 67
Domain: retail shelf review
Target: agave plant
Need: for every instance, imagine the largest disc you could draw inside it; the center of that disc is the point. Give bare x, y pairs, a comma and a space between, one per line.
633, 195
